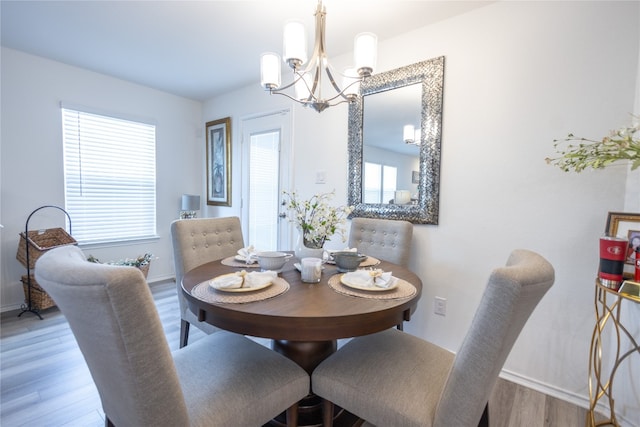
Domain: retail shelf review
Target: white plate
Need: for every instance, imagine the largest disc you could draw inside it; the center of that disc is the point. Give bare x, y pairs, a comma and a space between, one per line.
256, 288
370, 288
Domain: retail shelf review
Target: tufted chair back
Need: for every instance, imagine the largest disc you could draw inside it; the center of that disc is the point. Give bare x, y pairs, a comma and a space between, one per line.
198, 241
385, 239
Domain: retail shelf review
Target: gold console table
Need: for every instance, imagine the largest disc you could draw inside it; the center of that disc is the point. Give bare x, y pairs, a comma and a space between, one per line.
608, 305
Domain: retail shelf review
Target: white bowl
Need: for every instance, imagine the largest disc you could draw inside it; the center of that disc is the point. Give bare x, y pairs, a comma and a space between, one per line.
272, 260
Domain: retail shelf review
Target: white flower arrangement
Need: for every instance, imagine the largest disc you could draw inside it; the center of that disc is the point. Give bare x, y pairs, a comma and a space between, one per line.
621, 144
316, 220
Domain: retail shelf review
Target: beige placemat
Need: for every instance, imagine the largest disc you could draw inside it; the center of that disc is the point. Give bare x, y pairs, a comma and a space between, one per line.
403, 290
369, 262
206, 293
233, 262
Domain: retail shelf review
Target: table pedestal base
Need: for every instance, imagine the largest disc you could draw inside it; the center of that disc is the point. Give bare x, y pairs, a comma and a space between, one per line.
308, 355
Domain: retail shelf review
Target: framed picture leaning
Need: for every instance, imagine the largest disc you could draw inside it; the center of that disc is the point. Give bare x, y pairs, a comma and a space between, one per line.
627, 226
219, 162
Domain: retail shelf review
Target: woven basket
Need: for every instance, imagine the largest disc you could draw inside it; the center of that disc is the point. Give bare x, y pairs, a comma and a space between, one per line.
41, 241
40, 299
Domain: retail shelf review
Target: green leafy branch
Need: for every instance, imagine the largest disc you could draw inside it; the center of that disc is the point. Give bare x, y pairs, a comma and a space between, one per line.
622, 144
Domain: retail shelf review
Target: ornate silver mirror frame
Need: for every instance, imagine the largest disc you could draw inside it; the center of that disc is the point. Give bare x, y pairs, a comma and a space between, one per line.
430, 74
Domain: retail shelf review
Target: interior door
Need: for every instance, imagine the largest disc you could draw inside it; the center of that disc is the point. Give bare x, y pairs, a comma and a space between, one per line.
266, 148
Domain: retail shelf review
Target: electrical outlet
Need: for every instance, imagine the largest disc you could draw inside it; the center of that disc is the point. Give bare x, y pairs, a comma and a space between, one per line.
440, 306
321, 177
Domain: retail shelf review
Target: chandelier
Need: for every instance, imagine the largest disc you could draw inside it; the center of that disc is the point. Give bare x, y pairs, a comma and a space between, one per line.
307, 82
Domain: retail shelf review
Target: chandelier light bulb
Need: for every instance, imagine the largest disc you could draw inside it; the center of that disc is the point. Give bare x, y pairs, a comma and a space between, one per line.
295, 44
351, 83
270, 70
365, 53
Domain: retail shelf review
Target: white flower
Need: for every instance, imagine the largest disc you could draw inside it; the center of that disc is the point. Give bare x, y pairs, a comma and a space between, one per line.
315, 218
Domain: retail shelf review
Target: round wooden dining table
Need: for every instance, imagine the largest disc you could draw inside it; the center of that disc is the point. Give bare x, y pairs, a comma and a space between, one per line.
305, 321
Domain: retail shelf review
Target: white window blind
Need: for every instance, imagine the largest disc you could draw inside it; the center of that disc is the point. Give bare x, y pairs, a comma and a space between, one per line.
264, 158
110, 177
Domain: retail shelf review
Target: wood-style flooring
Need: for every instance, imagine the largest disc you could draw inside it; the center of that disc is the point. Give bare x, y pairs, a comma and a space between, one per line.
45, 382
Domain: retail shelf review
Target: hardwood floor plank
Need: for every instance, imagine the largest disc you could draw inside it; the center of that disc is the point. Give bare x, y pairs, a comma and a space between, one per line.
44, 380
528, 408
561, 413
501, 403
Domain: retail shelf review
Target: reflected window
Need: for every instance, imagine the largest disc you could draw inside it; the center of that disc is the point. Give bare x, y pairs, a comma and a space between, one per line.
380, 182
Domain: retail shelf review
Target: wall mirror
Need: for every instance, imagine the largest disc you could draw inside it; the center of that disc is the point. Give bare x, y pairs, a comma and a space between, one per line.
388, 177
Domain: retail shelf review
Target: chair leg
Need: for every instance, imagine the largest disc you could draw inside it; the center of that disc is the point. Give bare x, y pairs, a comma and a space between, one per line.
400, 326
484, 419
107, 422
327, 413
292, 415
184, 332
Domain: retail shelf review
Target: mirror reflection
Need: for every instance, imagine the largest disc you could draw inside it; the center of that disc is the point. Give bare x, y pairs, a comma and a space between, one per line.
391, 163
394, 171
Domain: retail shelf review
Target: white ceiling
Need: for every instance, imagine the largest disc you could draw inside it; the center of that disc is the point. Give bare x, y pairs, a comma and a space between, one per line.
197, 49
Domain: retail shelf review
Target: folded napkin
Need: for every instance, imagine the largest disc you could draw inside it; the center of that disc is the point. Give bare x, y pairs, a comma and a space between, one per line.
242, 279
247, 255
332, 251
369, 278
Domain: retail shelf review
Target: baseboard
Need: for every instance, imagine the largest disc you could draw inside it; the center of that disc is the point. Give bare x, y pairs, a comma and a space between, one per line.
548, 389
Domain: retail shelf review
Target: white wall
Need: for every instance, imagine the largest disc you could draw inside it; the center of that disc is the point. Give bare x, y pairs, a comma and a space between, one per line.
517, 76
32, 171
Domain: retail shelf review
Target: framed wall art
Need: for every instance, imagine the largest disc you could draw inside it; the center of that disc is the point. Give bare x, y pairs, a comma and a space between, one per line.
626, 226
219, 162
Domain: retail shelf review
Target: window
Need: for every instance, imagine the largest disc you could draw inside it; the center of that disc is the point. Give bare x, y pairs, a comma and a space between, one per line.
264, 157
110, 177
380, 182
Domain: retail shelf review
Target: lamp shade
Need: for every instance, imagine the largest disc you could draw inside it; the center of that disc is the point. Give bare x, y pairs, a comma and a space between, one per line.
409, 134
270, 70
402, 197
351, 82
190, 202
365, 53
295, 43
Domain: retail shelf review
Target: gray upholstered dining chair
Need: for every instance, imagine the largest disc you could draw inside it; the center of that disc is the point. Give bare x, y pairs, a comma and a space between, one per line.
223, 379
395, 379
385, 239
198, 241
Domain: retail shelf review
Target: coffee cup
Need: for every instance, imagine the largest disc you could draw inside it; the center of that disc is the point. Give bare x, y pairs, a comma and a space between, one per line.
310, 269
613, 252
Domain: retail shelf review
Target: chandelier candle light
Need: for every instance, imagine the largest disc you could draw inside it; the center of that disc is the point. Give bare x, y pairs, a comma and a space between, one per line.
307, 82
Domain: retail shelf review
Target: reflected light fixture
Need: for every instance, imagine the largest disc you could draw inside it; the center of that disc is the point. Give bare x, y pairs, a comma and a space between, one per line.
411, 135
307, 82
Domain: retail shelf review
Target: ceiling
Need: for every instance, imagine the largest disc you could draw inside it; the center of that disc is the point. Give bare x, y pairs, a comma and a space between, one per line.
197, 49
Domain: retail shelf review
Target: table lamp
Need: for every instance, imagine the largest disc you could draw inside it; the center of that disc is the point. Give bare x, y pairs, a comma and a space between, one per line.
190, 204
